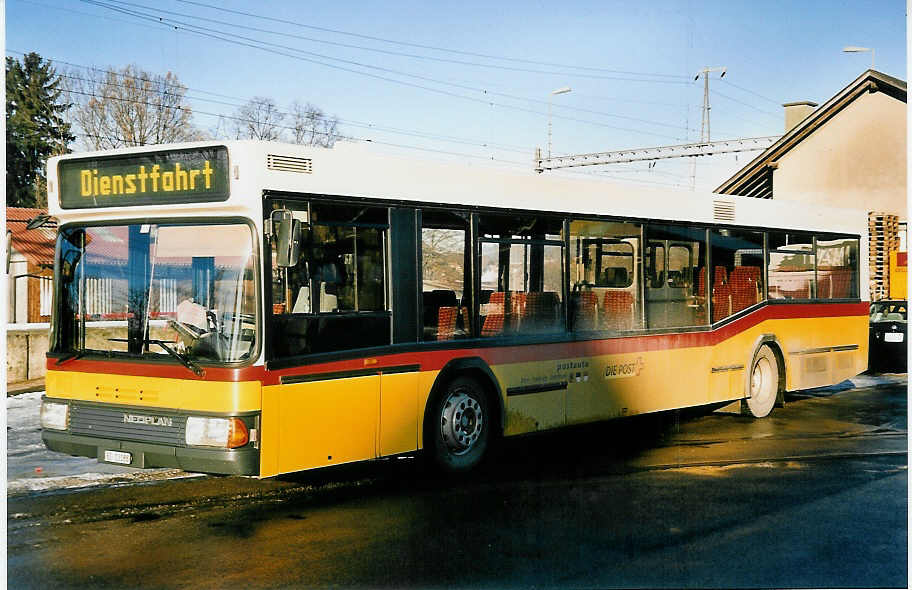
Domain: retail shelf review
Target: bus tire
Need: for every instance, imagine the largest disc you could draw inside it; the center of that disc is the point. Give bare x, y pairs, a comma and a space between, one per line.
460, 426
763, 384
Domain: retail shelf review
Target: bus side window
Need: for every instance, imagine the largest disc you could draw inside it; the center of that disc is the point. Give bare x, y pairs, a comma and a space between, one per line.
335, 298
837, 267
446, 290
791, 266
522, 263
737, 258
605, 279
675, 263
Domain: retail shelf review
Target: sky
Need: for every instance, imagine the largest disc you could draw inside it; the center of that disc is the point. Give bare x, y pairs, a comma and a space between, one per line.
472, 81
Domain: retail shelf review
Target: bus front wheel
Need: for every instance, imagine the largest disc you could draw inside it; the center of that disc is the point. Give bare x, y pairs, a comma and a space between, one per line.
460, 428
764, 384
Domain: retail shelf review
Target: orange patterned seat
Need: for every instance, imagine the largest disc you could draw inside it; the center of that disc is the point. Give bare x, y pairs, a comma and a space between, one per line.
842, 283
494, 319
619, 310
721, 294
745, 287
824, 285
446, 322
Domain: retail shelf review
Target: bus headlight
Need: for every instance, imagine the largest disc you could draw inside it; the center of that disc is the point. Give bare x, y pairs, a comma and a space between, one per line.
54, 416
216, 432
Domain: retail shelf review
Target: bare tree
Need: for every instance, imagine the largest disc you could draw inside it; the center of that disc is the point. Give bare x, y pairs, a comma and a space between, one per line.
312, 127
259, 118
442, 262
129, 107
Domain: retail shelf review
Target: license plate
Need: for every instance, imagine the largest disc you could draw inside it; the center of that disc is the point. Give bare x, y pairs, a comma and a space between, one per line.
118, 457
893, 336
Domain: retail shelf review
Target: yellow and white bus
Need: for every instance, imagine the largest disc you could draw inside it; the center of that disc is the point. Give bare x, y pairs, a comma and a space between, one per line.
257, 308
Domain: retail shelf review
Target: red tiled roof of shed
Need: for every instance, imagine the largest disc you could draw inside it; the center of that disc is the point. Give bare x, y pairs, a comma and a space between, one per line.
37, 245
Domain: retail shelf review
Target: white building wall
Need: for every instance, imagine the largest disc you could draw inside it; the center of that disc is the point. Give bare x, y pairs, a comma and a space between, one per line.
856, 159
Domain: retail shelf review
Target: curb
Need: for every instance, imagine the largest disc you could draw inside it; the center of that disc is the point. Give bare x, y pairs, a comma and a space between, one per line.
24, 387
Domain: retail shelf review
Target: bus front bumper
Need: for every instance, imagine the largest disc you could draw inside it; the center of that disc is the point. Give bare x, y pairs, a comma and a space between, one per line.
245, 461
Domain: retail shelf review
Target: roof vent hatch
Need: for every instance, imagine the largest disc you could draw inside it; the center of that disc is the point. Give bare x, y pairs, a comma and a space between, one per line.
723, 211
289, 164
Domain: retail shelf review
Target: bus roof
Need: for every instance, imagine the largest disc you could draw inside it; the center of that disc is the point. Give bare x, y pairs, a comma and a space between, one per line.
361, 170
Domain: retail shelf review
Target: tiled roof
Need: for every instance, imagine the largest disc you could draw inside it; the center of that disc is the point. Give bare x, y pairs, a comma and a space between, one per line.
37, 245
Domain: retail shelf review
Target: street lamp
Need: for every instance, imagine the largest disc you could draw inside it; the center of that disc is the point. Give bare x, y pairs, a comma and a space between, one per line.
855, 49
563, 90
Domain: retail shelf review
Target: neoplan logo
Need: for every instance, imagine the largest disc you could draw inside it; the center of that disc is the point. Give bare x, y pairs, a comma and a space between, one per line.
151, 420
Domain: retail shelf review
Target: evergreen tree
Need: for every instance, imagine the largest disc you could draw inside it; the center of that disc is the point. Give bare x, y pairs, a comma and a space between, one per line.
35, 128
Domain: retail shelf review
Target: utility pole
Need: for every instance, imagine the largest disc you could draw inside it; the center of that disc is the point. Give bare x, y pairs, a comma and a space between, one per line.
704, 126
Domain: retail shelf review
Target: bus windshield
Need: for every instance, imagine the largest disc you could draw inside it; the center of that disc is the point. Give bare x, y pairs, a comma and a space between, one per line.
183, 290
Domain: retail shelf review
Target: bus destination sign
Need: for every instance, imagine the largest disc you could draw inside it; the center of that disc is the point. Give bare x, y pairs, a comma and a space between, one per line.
167, 177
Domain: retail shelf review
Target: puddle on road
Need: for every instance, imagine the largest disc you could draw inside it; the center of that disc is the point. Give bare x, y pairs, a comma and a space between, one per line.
723, 470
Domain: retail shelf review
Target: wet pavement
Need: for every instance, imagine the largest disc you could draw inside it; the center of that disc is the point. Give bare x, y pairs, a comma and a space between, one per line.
813, 496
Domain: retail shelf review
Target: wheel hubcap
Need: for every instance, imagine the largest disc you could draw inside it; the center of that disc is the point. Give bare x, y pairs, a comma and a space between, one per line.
461, 422
761, 380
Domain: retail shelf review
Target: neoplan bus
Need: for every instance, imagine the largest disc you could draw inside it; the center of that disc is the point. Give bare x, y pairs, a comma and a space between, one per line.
257, 308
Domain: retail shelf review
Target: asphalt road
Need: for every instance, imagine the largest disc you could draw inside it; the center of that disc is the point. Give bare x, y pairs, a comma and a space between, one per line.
813, 496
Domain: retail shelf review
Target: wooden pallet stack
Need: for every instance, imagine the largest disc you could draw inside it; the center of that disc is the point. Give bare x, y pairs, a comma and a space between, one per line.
883, 238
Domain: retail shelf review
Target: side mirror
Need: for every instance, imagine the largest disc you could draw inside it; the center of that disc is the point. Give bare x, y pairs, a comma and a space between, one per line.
287, 232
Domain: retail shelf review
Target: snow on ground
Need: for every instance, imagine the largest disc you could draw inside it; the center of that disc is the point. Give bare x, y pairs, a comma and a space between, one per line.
31, 466
866, 380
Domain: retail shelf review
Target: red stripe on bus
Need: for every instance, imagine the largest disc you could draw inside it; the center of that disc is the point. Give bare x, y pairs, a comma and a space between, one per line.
431, 360
142, 369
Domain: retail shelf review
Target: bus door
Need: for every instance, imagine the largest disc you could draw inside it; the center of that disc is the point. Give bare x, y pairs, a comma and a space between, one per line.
669, 282
329, 296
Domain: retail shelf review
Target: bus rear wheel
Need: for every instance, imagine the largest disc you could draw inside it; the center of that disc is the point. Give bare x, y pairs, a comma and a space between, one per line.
764, 384
460, 428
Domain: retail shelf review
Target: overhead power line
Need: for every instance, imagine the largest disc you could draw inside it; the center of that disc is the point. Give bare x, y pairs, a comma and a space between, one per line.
242, 101
279, 126
283, 50
420, 46
758, 95
189, 27
398, 53
350, 122
741, 102
287, 127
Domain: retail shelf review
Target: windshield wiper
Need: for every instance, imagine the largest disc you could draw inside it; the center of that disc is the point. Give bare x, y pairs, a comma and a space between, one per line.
184, 360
